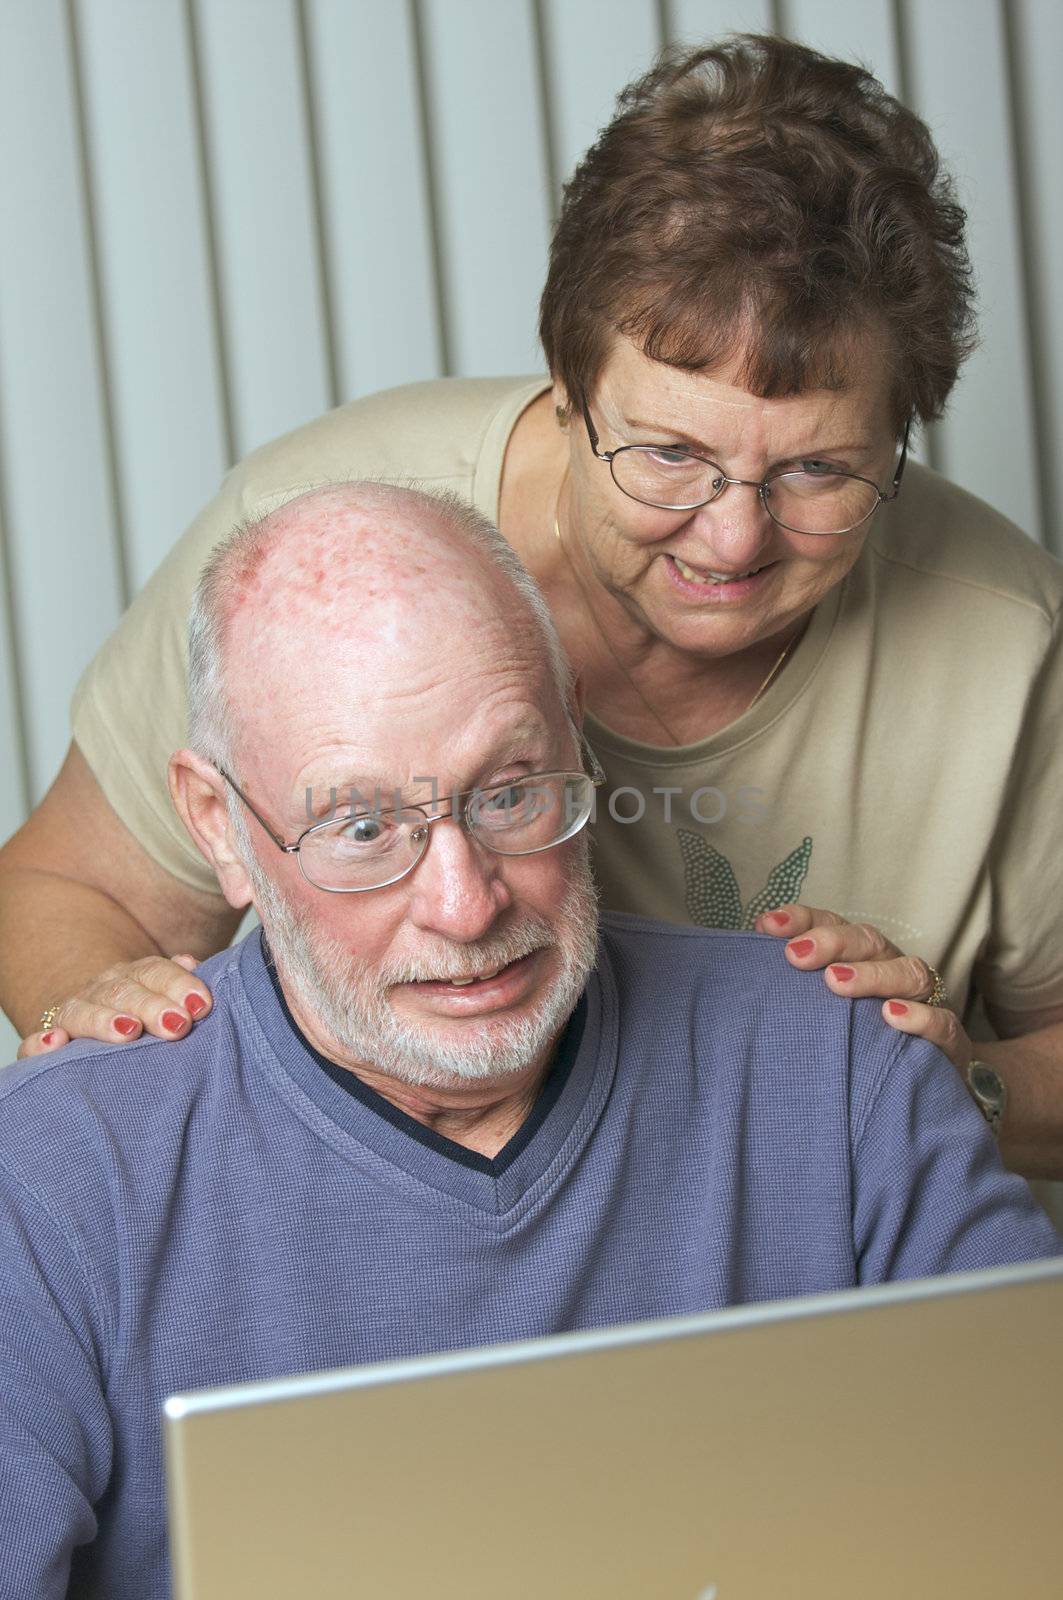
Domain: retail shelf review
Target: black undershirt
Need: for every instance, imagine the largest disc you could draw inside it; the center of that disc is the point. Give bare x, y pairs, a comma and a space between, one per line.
555, 1080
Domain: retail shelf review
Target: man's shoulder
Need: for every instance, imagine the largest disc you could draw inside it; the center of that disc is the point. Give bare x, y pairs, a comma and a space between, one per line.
90, 1100
709, 961
733, 995
936, 530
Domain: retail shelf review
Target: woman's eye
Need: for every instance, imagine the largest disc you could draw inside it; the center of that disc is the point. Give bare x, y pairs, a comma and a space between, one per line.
662, 456
817, 469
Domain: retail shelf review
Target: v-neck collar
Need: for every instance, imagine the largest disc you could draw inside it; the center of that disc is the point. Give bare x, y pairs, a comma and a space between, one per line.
549, 1091
357, 1123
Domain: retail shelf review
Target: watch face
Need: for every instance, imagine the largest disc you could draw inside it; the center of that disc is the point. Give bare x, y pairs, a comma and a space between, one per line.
986, 1083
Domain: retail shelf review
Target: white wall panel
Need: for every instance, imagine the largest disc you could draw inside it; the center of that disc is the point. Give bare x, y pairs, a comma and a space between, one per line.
1038, 38
861, 30
63, 557
590, 55
987, 440
492, 189
375, 196
272, 313
154, 265
699, 21
14, 796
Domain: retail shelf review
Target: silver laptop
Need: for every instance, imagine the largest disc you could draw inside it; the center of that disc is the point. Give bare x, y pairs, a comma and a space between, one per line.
887, 1444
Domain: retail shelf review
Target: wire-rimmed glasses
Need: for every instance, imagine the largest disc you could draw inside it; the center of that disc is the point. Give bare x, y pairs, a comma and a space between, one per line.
370, 847
815, 499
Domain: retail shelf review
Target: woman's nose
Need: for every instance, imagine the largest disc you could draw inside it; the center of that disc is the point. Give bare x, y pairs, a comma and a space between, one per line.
736, 525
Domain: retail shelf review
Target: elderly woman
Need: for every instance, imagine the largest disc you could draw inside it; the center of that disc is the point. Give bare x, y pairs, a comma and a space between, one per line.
812, 672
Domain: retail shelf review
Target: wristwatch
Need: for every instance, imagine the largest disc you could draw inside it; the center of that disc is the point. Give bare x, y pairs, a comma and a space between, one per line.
990, 1093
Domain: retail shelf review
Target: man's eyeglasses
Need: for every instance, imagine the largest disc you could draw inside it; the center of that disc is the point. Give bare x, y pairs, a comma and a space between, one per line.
369, 848
815, 498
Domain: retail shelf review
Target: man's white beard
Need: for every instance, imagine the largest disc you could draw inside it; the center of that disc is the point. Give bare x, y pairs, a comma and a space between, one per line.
348, 999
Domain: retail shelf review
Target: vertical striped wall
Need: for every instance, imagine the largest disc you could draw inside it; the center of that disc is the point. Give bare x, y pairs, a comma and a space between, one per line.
219, 217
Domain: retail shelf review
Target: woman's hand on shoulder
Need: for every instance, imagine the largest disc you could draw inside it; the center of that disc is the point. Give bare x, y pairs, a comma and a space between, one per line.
857, 960
153, 995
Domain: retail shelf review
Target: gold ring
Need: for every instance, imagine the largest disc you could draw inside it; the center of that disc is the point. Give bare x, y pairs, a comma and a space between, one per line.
939, 995
47, 1019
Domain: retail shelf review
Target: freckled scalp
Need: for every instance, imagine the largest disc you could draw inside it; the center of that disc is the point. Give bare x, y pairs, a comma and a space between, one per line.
364, 575
330, 565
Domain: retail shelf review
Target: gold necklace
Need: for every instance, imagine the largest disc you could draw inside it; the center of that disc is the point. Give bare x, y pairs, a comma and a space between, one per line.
773, 673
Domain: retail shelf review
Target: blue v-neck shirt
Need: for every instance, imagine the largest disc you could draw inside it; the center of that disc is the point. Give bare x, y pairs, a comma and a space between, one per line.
717, 1128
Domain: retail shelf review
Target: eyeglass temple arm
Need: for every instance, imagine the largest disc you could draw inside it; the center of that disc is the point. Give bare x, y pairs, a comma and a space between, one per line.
592, 434
597, 771
899, 474
289, 849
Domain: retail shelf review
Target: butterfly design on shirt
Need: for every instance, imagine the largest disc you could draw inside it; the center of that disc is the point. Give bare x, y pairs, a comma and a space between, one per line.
713, 898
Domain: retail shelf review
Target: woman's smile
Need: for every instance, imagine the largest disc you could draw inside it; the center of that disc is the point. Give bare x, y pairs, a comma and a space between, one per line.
700, 585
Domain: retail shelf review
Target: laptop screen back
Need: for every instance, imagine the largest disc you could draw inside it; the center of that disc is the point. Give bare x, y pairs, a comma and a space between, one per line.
896, 1442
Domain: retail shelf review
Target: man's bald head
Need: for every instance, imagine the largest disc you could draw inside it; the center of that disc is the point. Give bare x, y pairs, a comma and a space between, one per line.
394, 576
386, 647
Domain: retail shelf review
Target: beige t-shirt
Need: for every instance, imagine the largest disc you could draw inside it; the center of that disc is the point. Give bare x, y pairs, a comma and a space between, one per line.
906, 768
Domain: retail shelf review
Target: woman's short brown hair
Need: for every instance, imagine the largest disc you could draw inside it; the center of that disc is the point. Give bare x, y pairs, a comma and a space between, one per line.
757, 196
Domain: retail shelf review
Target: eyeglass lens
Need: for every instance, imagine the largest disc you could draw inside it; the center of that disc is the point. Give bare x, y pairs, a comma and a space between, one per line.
806, 502
367, 849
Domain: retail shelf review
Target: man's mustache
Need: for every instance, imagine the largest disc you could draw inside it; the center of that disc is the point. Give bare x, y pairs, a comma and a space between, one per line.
468, 961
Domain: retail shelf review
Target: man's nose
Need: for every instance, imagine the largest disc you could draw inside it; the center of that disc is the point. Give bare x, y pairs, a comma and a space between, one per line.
458, 887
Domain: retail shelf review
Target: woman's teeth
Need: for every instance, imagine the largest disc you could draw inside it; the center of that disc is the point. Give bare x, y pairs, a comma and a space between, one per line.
692, 576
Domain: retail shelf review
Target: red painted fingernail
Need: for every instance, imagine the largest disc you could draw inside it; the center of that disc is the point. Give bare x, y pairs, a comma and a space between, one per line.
126, 1025
46, 1038
843, 974
802, 947
896, 1008
781, 918
195, 1004
173, 1021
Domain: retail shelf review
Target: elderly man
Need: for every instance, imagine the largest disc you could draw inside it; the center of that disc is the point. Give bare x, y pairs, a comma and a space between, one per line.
429, 1108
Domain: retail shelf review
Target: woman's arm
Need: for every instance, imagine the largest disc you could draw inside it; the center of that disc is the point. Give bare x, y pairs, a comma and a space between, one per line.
79, 895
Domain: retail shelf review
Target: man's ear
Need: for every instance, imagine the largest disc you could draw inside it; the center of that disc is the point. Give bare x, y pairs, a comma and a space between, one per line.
198, 792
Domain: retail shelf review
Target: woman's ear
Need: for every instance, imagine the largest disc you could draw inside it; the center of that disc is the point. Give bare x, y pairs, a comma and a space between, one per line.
562, 404
198, 793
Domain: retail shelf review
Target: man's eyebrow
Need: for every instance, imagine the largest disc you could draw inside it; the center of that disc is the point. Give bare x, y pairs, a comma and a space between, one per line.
322, 797
321, 800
